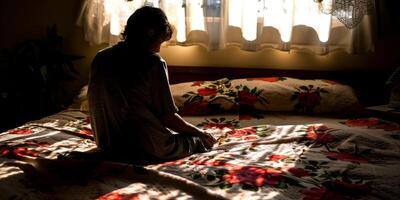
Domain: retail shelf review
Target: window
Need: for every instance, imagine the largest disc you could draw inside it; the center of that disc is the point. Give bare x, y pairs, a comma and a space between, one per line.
213, 8
250, 24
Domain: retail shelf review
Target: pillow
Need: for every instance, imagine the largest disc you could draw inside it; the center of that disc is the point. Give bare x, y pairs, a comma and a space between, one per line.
192, 98
291, 94
204, 97
81, 102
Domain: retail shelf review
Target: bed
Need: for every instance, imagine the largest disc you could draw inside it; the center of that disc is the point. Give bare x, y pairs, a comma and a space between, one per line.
278, 138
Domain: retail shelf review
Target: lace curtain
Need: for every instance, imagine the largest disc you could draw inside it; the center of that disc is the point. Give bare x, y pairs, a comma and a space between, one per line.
348, 12
315, 25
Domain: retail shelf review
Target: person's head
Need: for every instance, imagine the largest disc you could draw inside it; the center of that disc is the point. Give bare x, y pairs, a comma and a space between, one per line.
146, 27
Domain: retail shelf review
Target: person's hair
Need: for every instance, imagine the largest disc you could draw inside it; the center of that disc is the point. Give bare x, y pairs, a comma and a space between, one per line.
146, 26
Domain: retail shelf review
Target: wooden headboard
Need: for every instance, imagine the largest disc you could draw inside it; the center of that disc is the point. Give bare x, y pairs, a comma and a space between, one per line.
369, 84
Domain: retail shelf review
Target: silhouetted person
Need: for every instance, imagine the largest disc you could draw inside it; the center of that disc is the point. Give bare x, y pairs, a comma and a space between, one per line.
133, 114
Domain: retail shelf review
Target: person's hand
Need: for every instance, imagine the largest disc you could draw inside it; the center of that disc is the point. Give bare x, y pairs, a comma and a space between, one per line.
207, 139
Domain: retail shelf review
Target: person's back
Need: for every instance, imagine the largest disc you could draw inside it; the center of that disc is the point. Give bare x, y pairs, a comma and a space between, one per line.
130, 101
124, 82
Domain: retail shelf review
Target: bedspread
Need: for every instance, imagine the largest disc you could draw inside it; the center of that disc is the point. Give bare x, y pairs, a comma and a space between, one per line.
269, 156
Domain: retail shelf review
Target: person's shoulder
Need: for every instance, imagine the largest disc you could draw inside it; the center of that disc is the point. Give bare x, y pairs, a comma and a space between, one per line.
102, 55
109, 51
156, 62
156, 58
108, 54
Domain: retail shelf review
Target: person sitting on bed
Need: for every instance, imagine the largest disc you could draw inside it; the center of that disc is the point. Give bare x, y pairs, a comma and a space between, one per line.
133, 114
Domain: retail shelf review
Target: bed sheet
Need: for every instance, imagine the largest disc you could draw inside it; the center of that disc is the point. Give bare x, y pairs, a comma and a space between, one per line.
258, 156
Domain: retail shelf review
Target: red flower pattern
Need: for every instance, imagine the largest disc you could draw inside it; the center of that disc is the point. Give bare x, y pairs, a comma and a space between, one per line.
255, 176
196, 108
250, 137
298, 172
197, 83
319, 127
247, 98
36, 143
309, 99
18, 152
319, 134
22, 131
118, 196
87, 132
276, 157
214, 163
242, 132
245, 117
207, 91
267, 79
363, 122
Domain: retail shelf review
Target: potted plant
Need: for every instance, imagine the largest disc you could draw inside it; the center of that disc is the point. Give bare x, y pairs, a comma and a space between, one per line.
32, 75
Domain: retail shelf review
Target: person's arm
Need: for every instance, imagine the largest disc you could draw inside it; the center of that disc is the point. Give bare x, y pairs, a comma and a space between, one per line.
178, 124
167, 110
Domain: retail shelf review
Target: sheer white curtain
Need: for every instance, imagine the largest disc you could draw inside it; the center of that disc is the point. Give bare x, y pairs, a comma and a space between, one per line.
250, 24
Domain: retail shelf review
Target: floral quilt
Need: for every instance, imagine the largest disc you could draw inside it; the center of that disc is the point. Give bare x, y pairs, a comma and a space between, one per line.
280, 156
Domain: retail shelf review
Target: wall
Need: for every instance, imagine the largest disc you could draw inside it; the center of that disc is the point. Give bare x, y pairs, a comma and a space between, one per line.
386, 55
27, 19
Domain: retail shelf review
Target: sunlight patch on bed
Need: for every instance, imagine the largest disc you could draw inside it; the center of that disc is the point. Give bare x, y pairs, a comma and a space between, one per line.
7, 171
271, 195
47, 135
71, 144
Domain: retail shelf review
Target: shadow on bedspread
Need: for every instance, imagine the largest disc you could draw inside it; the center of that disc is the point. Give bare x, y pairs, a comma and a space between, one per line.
90, 179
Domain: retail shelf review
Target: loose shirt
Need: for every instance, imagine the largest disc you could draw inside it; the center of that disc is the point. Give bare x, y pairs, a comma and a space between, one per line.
129, 94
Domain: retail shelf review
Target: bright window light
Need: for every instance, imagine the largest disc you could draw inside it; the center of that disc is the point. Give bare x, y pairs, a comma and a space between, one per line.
279, 14
197, 15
